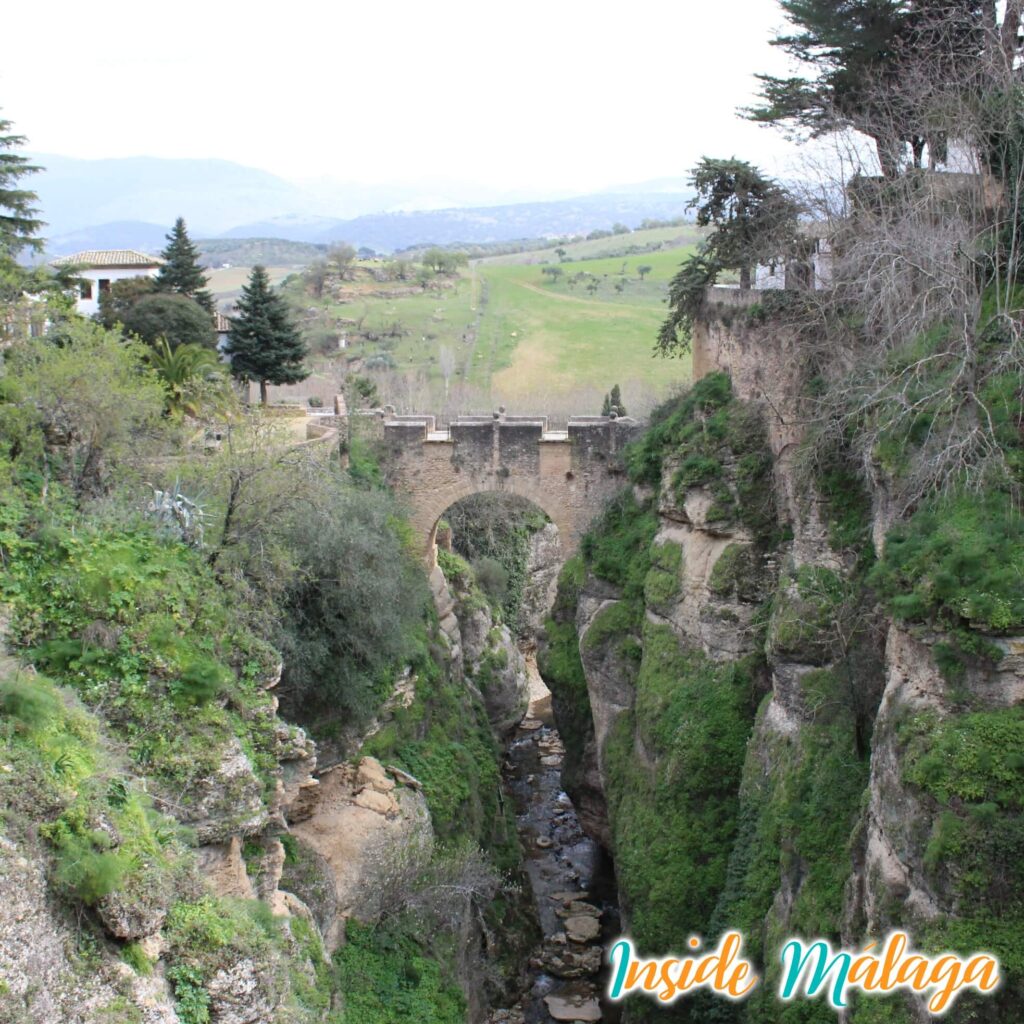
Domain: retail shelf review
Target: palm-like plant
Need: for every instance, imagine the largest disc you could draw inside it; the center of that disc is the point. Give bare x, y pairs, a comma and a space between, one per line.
183, 371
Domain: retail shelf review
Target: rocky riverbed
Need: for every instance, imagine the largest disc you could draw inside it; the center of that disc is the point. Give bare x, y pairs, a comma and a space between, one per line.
572, 882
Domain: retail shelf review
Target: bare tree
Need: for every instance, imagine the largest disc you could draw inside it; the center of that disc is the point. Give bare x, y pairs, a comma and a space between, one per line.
919, 321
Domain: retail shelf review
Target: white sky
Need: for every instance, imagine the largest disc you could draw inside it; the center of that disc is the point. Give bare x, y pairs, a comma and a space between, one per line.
567, 95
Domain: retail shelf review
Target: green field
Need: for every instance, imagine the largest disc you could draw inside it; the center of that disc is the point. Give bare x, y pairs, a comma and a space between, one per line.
505, 332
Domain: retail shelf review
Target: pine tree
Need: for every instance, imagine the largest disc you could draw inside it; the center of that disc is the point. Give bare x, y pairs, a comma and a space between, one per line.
181, 272
18, 225
615, 401
264, 344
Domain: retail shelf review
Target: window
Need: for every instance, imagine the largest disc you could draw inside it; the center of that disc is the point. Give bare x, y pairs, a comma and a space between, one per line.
86, 289
104, 286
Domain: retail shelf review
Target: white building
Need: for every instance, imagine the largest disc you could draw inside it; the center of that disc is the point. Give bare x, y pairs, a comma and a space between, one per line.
98, 269
221, 325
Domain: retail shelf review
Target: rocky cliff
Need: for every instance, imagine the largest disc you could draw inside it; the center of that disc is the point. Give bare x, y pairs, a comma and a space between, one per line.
761, 725
175, 851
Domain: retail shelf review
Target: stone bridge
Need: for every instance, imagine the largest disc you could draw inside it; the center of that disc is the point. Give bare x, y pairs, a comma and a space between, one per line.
569, 474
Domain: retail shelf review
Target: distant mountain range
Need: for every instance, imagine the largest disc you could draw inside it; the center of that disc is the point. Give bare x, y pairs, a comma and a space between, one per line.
131, 203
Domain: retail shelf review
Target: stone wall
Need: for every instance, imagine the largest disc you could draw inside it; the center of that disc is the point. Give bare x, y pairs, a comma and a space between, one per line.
569, 474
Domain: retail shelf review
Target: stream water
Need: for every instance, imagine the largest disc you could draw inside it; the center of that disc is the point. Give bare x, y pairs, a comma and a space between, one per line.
570, 875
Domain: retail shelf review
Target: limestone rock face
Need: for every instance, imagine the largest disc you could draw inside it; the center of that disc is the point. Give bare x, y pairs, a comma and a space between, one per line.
542, 566
578, 1009
247, 992
296, 755
136, 909
900, 819
226, 803
42, 981
224, 870
490, 658
352, 822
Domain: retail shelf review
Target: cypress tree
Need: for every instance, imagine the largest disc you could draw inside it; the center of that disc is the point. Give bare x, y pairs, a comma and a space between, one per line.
18, 225
264, 343
615, 401
182, 273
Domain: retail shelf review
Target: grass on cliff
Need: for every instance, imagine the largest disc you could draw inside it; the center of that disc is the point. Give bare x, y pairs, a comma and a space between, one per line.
675, 815
971, 766
140, 627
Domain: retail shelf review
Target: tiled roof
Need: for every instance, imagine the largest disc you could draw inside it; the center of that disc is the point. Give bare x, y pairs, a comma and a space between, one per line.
108, 258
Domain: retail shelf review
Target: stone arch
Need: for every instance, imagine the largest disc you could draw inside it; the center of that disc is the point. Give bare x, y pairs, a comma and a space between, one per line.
569, 474
551, 512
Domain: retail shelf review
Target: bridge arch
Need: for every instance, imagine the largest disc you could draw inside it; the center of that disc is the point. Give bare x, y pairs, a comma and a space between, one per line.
569, 474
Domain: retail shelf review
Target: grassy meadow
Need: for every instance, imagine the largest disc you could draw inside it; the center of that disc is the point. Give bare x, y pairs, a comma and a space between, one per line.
502, 332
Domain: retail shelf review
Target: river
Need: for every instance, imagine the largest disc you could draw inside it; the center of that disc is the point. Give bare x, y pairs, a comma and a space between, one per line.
570, 875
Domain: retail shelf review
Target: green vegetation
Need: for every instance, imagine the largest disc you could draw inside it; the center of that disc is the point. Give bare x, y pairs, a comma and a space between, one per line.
159, 620
753, 219
698, 436
970, 766
499, 331
264, 344
617, 548
957, 563
675, 822
493, 531
558, 659
19, 225
663, 579
736, 573
181, 273
387, 980
799, 802
804, 613
176, 319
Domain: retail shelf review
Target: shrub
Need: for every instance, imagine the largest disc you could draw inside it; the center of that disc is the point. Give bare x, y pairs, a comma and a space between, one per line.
86, 868
192, 1001
174, 317
30, 702
492, 577
387, 979
957, 562
199, 681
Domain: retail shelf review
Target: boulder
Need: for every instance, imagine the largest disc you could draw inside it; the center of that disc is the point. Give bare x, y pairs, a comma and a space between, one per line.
582, 929
575, 1008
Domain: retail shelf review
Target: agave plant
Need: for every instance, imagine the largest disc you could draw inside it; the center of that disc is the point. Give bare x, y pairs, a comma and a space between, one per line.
183, 370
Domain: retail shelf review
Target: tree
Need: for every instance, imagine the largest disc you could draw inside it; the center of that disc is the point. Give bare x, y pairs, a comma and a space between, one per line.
643, 270
561, 254
119, 298
18, 224
180, 320
315, 276
181, 272
443, 261
264, 344
553, 272
857, 51
686, 294
342, 255
615, 400
753, 216
81, 407
187, 373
